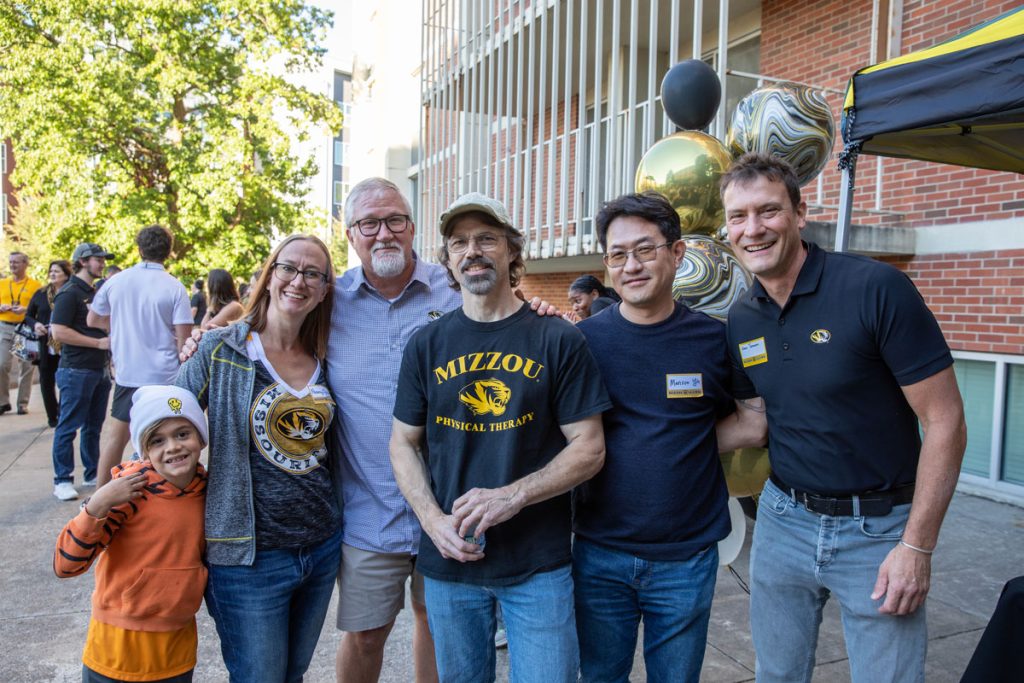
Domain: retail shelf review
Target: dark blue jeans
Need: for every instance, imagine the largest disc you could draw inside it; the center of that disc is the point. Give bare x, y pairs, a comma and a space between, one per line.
615, 590
269, 616
83, 405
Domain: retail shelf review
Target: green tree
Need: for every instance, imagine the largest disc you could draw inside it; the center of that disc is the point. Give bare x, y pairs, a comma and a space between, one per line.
129, 112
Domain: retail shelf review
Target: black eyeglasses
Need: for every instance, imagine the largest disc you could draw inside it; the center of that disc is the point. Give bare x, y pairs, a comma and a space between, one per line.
644, 253
485, 242
311, 276
371, 226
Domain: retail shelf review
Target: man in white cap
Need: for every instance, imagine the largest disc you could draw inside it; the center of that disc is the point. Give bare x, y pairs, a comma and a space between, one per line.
83, 376
497, 418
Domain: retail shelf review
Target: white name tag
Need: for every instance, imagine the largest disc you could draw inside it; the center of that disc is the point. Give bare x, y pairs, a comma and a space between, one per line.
753, 352
689, 385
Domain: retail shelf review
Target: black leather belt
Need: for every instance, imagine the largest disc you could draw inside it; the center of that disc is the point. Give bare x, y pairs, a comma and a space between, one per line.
871, 503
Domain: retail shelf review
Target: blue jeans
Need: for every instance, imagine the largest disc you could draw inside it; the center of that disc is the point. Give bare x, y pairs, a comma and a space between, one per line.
797, 561
269, 616
539, 622
614, 590
83, 405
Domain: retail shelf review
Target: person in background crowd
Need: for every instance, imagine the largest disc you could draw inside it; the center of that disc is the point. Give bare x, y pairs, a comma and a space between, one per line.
587, 289
599, 304
146, 311
83, 377
111, 271
198, 303
854, 371
273, 524
223, 305
38, 315
15, 293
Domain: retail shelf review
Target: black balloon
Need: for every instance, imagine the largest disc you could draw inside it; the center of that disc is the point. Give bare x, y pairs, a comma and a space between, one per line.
690, 94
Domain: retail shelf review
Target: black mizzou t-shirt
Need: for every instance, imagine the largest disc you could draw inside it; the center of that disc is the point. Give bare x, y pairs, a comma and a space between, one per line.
492, 397
293, 497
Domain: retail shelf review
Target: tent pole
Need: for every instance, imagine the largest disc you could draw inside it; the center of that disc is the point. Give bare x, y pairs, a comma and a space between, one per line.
842, 242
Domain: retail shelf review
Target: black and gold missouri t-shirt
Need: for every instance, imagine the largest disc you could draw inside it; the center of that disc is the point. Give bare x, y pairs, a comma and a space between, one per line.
492, 397
293, 497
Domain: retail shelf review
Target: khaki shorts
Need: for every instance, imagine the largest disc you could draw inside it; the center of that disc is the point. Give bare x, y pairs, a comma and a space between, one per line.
371, 587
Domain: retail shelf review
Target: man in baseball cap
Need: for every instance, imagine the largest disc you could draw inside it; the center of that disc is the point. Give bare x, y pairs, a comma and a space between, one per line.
83, 375
508, 405
87, 250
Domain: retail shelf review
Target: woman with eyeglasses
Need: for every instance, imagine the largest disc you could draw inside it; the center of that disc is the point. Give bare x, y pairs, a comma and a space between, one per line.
273, 526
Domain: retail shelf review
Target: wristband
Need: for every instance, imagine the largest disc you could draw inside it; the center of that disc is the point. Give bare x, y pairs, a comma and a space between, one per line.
914, 547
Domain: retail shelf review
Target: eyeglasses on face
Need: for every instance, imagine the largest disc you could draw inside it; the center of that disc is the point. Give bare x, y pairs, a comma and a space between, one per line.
369, 227
484, 242
643, 253
286, 273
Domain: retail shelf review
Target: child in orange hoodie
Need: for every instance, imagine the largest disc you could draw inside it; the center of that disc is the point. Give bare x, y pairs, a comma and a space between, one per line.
145, 528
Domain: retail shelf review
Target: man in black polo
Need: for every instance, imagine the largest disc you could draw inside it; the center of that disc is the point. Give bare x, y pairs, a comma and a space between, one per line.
83, 376
849, 361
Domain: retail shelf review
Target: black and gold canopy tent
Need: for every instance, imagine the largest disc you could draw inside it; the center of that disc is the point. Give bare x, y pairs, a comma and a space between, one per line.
959, 102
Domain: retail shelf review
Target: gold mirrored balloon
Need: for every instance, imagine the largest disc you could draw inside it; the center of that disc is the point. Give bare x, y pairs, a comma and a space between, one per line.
685, 167
746, 471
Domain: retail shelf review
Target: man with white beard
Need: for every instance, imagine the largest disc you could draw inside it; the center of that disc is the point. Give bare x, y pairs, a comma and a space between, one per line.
378, 306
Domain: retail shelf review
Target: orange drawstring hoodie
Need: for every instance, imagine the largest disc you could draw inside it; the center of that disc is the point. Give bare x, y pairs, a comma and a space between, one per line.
150, 575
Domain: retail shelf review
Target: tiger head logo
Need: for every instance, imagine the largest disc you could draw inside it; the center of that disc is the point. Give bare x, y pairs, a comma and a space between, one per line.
486, 396
300, 424
175, 405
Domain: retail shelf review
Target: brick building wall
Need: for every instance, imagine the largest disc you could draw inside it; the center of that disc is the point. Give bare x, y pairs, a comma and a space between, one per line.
978, 298
554, 287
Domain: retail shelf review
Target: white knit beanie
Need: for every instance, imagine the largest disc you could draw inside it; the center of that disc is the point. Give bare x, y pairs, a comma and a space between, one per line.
154, 403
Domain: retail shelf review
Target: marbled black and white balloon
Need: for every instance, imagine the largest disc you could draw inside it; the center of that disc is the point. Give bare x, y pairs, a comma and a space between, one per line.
788, 120
710, 278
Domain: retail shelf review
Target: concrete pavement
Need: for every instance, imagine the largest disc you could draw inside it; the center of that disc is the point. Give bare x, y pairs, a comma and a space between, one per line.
43, 619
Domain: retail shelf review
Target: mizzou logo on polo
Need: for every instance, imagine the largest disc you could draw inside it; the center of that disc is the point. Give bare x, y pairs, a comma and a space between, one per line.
486, 396
821, 336
300, 424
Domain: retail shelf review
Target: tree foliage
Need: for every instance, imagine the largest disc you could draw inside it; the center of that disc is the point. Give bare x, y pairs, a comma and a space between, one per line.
124, 113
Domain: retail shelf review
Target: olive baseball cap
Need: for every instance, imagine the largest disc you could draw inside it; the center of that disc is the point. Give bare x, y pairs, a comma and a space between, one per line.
474, 201
88, 250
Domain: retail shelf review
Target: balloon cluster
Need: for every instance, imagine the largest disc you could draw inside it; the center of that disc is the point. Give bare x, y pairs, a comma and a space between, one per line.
785, 119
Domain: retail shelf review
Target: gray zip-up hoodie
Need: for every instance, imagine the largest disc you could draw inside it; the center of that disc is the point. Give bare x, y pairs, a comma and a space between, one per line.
221, 369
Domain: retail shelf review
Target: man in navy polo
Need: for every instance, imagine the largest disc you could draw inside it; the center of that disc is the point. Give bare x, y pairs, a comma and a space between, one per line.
850, 362
647, 525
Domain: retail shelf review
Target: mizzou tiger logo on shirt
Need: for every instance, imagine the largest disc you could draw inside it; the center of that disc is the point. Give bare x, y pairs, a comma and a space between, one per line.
289, 430
486, 396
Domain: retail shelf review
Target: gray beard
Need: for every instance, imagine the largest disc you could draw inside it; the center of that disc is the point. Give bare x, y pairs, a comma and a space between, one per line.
387, 265
481, 284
